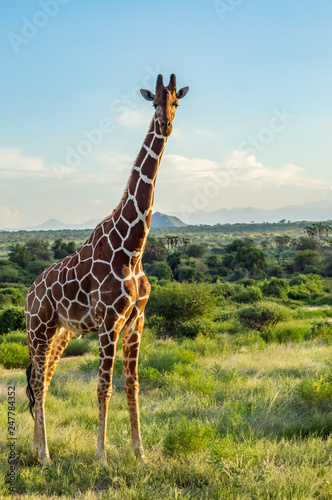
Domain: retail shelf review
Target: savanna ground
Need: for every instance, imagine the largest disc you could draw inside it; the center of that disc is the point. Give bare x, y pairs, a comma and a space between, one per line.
235, 373
220, 419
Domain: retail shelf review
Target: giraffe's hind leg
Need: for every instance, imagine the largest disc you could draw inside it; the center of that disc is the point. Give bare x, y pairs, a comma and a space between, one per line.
59, 344
132, 334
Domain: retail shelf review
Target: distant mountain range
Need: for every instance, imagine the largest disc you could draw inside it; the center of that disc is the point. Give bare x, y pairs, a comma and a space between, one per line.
157, 220
317, 211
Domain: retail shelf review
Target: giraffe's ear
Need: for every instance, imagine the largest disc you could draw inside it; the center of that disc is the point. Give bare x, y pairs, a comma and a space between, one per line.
182, 92
147, 95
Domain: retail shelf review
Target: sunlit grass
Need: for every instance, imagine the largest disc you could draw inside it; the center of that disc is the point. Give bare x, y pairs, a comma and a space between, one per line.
201, 410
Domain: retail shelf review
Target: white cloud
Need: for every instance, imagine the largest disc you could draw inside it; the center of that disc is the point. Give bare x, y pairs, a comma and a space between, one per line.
13, 165
205, 133
9, 218
243, 168
134, 118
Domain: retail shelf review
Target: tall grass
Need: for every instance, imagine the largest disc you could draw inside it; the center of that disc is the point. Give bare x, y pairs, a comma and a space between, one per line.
235, 423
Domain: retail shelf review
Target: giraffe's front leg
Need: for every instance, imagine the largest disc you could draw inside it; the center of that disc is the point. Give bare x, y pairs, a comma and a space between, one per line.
131, 342
108, 338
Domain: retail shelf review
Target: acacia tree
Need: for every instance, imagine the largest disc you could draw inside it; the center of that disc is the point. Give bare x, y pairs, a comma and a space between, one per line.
284, 247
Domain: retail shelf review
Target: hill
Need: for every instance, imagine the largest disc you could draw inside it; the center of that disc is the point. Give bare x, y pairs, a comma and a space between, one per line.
315, 211
157, 220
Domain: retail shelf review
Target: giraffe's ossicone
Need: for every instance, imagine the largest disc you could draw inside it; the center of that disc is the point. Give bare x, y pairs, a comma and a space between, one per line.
101, 287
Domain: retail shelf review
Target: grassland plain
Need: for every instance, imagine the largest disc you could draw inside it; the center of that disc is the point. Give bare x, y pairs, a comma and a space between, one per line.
221, 419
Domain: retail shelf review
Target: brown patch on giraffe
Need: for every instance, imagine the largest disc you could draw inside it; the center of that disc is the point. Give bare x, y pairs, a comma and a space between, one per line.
121, 262
122, 226
135, 240
129, 210
115, 239
57, 291
133, 182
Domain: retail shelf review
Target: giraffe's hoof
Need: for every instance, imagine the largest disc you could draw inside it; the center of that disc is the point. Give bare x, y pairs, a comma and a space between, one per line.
45, 461
140, 454
101, 456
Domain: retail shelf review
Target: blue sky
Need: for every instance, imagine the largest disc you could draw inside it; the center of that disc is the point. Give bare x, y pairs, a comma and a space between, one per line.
254, 129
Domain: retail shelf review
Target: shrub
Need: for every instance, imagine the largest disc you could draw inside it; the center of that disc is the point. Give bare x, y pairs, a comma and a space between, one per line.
188, 437
275, 271
14, 355
322, 330
327, 266
215, 265
196, 250
304, 258
224, 289
161, 270
167, 356
8, 274
11, 319
15, 337
36, 267
191, 329
248, 295
176, 303
287, 333
12, 296
275, 287
326, 300
191, 270
299, 292
77, 347
263, 315
311, 282
317, 390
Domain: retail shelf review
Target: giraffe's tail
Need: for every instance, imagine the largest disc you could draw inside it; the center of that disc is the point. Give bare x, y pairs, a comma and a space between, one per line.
29, 391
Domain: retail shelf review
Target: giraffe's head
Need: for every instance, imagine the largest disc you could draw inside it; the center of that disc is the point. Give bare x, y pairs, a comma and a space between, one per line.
165, 102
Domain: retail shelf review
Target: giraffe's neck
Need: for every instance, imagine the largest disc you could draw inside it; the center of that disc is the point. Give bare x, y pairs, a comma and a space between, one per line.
133, 215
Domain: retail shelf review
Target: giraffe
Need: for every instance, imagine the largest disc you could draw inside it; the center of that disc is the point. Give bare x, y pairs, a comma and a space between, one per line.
101, 287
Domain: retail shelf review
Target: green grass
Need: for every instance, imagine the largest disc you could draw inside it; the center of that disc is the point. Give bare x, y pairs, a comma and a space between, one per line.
246, 422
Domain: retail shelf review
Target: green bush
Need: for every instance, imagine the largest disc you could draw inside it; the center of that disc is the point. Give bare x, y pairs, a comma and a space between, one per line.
176, 303
166, 357
12, 296
263, 315
304, 258
248, 295
287, 333
8, 274
275, 271
305, 287
36, 267
322, 330
275, 287
299, 292
11, 319
315, 390
325, 300
161, 270
187, 437
191, 329
77, 347
15, 337
224, 289
14, 355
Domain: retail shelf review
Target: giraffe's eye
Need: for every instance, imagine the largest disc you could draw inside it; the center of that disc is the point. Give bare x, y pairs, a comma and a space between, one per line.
175, 104
154, 105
